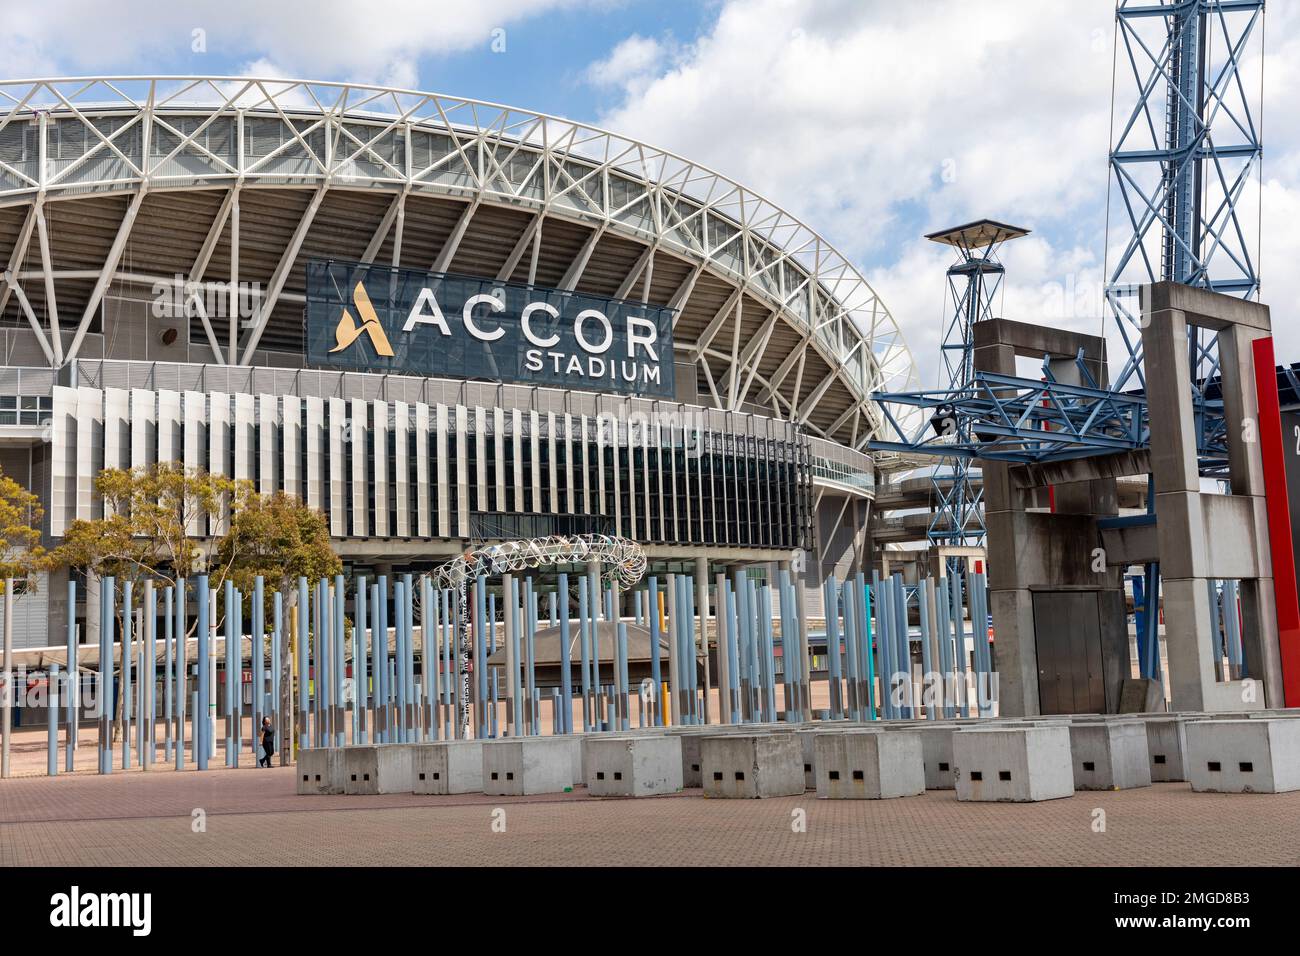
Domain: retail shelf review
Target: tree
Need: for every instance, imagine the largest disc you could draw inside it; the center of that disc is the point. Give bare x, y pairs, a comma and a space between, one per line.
151, 514
281, 539
21, 553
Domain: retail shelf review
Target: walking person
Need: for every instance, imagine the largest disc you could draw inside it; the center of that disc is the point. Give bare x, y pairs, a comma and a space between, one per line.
268, 743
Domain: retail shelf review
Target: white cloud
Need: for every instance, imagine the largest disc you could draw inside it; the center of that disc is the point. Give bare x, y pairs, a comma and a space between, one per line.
876, 122
322, 40
630, 63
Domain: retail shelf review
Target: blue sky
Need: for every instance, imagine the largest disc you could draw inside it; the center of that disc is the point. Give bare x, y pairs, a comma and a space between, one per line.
874, 121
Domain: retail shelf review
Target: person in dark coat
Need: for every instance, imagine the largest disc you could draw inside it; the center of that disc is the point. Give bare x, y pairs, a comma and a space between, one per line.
268, 743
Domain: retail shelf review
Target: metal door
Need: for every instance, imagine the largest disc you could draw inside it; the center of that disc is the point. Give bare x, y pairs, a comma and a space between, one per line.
1067, 639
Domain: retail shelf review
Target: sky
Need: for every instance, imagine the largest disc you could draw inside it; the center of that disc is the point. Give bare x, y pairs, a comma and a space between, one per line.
873, 121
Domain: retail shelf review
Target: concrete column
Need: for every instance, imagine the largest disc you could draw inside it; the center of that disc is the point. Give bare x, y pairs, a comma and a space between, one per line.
1182, 527
1246, 478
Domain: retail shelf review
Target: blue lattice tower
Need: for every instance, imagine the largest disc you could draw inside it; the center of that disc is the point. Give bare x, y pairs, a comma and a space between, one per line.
1186, 145
1185, 149
973, 284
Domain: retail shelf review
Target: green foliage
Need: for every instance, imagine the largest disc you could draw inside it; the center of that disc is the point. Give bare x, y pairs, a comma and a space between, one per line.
150, 515
278, 537
20, 536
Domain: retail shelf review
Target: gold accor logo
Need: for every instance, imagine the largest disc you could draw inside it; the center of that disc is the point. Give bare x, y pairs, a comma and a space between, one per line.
348, 331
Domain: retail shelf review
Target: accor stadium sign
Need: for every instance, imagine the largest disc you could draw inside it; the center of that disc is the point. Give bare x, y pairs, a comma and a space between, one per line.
375, 318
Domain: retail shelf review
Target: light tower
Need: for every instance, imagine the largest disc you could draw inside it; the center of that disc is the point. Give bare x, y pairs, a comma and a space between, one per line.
973, 284
1186, 143
1185, 147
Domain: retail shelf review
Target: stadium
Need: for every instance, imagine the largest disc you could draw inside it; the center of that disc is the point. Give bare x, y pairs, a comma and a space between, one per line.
441, 322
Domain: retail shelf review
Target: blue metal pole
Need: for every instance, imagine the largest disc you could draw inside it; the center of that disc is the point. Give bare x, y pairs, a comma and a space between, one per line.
656, 665
530, 650
742, 643
1152, 621
959, 636
982, 637
769, 650
169, 630
338, 661
857, 596
126, 675
448, 666
517, 639
361, 667
399, 665
104, 690
74, 678
697, 696
277, 630
408, 657
885, 620
927, 663
239, 673
583, 611
496, 696
304, 665
867, 645
413, 732
491, 678
151, 668
257, 664
851, 649
377, 665
52, 712
381, 637
735, 705
904, 645
482, 624
566, 662
320, 665
231, 640
624, 721
201, 727
178, 632
429, 663
830, 596
788, 663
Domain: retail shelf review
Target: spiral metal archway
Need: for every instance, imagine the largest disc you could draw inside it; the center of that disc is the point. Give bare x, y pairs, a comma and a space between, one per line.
623, 562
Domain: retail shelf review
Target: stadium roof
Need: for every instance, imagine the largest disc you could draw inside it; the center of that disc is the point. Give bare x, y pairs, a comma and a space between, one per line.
121, 180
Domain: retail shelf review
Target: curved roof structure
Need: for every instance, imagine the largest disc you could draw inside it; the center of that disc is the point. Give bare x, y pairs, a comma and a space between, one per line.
193, 181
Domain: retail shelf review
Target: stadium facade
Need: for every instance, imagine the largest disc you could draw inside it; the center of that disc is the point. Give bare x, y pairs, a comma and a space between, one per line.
439, 321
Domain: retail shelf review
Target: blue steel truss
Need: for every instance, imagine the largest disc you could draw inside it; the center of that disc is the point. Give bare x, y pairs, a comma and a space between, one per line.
1185, 148
1182, 158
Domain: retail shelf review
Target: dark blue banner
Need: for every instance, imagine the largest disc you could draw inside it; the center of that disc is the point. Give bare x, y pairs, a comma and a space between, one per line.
379, 319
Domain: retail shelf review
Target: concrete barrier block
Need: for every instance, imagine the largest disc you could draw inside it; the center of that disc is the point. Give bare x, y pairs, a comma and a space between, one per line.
936, 752
641, 766
447, 766
380, 768
1251, 755
320, 770
1110, 754
526, 765
746, 765
1012, 764
690, 736
1167, 748
864, 764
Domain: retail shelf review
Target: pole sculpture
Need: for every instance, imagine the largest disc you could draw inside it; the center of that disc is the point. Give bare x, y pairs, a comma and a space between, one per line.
624, 563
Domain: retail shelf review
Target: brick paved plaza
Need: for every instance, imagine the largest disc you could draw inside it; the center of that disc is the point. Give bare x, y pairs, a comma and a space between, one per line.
254, 817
